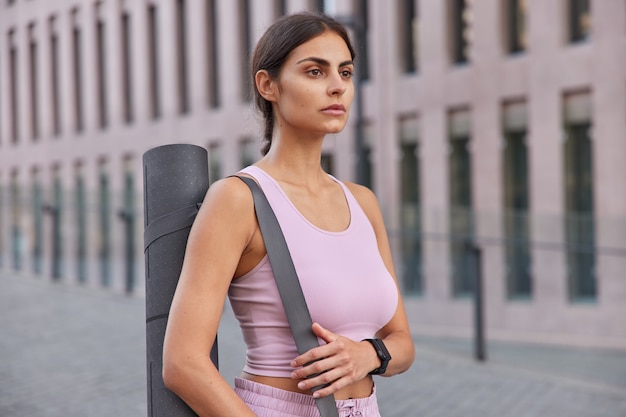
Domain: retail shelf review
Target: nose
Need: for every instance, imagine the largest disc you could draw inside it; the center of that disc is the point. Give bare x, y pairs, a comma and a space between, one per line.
337, 85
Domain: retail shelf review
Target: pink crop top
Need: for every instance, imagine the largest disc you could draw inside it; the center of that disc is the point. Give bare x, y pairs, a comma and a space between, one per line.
346, 285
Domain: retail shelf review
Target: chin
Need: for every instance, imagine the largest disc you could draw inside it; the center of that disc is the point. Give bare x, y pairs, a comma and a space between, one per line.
335, 128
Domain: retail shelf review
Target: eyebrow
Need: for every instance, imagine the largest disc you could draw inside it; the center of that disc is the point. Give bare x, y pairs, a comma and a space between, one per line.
323, 62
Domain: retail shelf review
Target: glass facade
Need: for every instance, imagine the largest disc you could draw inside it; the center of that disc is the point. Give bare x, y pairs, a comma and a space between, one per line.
579, 215
128, 216
516, 201
362, 14
80, 208
153, 59
249, 152
56, 214
460, 201
408, 35
212, 54
17, 238
579, 20
181, 58
104, 214
410, 208
328, 163
77, 67
215, 162
460, 30
37, 213
33, 65
101, 72
245, 49
126, 50
515, 27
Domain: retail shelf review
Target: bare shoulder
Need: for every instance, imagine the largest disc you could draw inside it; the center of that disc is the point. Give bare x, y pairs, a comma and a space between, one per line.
366, 198
227, 202
229, 191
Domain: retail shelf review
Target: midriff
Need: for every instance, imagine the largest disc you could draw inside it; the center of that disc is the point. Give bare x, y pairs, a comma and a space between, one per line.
359, 389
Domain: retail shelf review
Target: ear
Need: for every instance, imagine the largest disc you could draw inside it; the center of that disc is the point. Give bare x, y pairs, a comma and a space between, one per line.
266, 86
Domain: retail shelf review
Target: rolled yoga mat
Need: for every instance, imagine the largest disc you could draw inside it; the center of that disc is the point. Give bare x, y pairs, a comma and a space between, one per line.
175, 182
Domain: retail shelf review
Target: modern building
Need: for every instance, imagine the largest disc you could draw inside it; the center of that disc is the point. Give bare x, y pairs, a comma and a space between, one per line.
493, 133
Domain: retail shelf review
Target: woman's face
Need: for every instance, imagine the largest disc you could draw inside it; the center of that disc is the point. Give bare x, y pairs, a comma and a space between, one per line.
314, 90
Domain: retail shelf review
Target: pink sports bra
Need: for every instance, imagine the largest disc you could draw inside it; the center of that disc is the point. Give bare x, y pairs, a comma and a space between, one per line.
346, 285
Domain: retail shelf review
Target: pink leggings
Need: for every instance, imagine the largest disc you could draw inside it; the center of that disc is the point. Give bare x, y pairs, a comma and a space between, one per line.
267, 401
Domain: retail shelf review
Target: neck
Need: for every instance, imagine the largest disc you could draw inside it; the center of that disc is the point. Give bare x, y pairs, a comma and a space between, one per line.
296, 160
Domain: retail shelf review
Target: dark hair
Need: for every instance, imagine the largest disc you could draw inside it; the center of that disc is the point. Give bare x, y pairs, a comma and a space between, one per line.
276, 44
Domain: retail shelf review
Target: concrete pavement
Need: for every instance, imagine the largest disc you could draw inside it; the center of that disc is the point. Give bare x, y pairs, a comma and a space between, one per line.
75, 351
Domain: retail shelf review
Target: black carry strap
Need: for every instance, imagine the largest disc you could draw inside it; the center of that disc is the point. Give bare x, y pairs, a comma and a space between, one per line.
288, 284
169, 223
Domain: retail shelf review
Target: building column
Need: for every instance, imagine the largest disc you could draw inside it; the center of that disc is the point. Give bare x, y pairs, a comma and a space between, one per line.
609, 152
545, 155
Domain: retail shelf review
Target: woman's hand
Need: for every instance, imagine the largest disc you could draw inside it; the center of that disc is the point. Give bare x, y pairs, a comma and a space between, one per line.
337, 364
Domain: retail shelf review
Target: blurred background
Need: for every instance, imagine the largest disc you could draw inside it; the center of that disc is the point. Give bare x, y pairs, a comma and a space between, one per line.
492, 131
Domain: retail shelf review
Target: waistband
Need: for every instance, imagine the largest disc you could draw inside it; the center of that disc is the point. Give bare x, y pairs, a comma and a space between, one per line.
254, 393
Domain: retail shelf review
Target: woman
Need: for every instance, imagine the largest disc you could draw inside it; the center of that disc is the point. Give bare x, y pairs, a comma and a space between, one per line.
302, 68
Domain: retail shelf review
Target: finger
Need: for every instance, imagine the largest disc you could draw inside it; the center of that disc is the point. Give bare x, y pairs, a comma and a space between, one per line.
323, 333
312, 356
320, 380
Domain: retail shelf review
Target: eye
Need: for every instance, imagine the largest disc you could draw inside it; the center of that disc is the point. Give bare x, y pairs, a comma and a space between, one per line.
316, 72
346, 73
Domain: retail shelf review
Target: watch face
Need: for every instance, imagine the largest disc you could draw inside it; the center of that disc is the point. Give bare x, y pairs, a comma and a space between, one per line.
383, 355
382, 349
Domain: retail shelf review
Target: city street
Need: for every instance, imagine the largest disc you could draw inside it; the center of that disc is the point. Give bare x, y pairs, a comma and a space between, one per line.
70, 351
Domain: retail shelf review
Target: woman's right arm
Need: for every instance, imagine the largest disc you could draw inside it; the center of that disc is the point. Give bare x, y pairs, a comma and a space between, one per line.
220, 235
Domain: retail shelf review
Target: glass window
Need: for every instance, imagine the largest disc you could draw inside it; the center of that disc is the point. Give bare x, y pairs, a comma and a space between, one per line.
81, 224
280, 8
13, 89
317, 5
33, 64
15, 198
127, 87
245, 49
516, 201
128, 215
56, 213
365, 173
101, 65
212, 54
77, 68
579, 20
328, 162
153, 58
37, 213
515, 28
104, 214
215, 162
249, 151
362, 14
54, 77
460, 30
408, 35
579, 216
410, 214
181, 57
460, 201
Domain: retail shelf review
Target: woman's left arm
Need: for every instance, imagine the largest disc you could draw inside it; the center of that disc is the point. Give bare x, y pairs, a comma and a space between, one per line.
396, 334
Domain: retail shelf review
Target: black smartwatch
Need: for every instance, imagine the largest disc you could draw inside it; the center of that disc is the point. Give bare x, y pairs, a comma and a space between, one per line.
383, 355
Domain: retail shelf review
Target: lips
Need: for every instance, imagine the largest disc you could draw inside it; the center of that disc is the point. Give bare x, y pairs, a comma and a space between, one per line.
335, 110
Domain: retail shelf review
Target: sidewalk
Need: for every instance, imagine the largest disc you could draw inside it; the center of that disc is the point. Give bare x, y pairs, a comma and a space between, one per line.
71, 351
